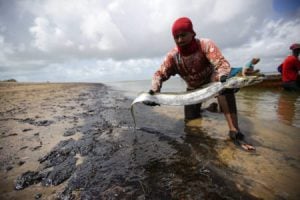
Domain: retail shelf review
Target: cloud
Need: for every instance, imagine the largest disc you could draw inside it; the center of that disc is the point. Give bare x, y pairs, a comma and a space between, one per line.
271, 44
109, 40
99, 70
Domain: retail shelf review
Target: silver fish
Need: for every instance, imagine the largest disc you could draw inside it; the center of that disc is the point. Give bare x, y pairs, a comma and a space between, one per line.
195, 96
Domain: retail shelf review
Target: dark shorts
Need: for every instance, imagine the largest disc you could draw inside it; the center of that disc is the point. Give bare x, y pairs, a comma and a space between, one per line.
291, 86
194, 111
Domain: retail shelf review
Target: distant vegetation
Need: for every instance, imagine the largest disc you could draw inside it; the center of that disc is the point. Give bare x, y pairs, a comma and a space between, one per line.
10, 80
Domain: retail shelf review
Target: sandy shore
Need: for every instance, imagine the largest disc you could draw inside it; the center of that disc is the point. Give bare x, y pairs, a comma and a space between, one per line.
76, 141
35, 118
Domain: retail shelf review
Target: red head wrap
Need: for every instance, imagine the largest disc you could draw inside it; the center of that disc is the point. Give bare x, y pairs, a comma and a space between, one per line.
295, 46
182, 24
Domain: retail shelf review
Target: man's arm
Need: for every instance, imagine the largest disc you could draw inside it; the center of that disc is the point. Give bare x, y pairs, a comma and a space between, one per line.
214, 55
167, 69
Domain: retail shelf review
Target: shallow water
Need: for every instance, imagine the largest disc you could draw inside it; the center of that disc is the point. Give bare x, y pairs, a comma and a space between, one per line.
259, 103
270, 119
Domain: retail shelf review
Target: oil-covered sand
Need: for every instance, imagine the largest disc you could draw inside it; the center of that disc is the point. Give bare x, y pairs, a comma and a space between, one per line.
76, 141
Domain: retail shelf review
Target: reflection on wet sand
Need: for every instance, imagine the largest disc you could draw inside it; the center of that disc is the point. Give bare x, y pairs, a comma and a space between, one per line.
192, 172
272, 171
269, 173
287, 107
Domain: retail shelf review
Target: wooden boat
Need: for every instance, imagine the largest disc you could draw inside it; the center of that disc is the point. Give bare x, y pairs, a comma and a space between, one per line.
270, 81
273, 80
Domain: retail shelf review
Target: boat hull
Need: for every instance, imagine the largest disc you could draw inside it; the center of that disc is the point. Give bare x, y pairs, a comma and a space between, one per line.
270, 81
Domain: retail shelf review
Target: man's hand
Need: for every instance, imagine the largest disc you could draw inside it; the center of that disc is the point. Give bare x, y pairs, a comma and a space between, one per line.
223, 78
151, 92
150, 103
227, 90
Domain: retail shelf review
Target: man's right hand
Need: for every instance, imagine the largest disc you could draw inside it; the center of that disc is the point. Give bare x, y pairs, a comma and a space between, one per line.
150, 103
151, 92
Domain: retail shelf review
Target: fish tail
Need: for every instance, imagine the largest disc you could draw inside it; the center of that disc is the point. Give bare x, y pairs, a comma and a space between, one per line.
132, 115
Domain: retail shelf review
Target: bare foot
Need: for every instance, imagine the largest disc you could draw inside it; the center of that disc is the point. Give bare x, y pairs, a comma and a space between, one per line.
238, 140
246, 146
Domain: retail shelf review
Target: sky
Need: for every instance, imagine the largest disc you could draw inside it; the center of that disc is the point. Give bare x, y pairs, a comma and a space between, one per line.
119, 40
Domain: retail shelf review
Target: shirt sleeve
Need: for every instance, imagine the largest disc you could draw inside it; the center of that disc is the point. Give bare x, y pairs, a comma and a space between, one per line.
214, 55
167, 69
249, 65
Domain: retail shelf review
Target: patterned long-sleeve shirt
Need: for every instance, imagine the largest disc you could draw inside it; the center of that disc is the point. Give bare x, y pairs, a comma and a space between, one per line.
204, 66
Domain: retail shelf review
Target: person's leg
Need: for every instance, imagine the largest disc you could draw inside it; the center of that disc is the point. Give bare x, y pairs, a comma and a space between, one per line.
231, 102
231, 118
291, 86
192, 111
228, 104
213, 107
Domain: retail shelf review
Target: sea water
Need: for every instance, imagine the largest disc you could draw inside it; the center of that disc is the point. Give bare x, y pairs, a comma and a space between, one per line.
271, 104
270, 119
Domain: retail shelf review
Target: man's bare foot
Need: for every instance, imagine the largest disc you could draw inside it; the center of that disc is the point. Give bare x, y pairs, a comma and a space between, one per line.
246, 146
238, 140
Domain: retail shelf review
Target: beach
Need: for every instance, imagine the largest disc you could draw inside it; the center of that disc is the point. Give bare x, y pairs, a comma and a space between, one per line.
77, 141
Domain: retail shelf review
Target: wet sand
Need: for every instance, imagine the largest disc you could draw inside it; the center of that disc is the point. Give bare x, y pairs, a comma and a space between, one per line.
76, 141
